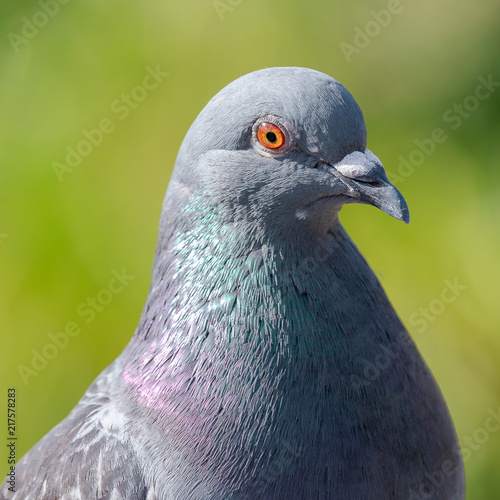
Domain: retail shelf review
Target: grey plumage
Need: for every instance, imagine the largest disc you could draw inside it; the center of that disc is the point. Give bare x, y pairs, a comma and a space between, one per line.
246, 376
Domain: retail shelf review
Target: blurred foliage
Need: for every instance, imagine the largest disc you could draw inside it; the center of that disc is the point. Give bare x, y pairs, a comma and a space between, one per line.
60, 241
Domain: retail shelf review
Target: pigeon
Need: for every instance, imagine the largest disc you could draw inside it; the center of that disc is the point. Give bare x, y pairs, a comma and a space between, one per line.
268, 362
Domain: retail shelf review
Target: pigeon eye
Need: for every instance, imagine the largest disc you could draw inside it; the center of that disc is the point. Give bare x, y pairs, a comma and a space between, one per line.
270, 136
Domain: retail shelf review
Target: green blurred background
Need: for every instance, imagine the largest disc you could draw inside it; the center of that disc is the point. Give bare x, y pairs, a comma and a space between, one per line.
61, 240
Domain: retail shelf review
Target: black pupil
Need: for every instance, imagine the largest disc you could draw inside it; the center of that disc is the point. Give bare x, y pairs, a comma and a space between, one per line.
271, 137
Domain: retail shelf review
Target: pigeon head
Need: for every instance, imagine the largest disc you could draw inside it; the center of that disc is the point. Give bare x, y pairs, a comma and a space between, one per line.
283, 145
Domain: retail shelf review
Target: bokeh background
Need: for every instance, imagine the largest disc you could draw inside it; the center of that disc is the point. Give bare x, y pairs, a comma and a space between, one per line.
65, 67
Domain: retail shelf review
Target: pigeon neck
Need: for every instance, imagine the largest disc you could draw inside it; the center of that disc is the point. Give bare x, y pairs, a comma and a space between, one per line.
209, 265
205, 250
226, 292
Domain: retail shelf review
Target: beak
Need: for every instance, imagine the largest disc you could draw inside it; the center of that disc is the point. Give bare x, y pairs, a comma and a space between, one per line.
364, 176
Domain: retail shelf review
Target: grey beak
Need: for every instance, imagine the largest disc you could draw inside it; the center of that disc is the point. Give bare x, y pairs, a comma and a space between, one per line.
366, 180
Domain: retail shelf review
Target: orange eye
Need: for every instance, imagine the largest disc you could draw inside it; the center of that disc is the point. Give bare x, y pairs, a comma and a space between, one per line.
270, 136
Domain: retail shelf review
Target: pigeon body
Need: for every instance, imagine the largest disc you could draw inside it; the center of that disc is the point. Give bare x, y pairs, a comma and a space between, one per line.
268, 362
